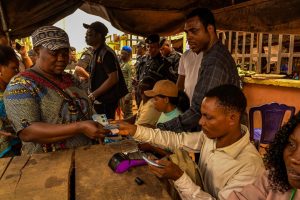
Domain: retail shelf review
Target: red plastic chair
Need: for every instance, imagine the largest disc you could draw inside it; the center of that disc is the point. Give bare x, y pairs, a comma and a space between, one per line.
271, 117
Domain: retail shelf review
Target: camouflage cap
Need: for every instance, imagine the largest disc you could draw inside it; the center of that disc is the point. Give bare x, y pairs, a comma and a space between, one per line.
50, 37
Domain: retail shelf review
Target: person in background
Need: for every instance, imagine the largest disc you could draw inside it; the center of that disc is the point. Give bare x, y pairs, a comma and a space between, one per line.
9, 67
146, 114
22, 55
73, 61
282, 179
189, 65
170, 54
168, 100
32, 55
140, 58
128, 73
217, 67
47, 107
155, 65
107, 84
228, 160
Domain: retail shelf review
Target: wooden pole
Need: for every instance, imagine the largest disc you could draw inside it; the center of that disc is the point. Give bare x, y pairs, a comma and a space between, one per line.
3, 22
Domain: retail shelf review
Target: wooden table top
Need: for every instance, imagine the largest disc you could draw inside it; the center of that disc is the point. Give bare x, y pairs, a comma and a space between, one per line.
80, 174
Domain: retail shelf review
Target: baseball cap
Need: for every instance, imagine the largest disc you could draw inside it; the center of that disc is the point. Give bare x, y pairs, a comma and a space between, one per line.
127, 49
163, 87
154, 38
98, 27
50, 37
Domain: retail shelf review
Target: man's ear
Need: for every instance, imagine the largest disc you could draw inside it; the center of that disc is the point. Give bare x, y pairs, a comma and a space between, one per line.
166, 100
210, 28
234, 118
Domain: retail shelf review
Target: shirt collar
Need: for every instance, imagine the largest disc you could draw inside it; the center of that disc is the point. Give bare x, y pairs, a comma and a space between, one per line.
234, 149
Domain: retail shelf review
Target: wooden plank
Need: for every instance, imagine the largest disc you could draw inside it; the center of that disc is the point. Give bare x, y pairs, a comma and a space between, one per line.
243, 50
40, 176
236, 46
95, 180
229, 41
4, 162
251, 50
259, 52
279, 54
269, 53
291, 56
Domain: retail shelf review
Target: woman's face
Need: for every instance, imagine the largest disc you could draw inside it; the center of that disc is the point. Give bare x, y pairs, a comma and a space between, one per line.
9, 71
160, 103
53, 62
291, 156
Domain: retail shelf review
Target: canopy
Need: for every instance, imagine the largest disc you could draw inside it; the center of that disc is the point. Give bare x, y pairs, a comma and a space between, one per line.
165, 17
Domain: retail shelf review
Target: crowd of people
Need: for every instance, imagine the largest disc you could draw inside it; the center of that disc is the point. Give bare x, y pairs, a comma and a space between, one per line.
186, 103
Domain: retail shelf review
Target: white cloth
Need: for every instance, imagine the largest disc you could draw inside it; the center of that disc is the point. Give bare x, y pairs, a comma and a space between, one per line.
222, 170
189, 65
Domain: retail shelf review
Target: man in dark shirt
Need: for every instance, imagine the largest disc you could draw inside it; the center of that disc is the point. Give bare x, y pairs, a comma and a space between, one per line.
170, 54
217, 67
155, 65
107, 84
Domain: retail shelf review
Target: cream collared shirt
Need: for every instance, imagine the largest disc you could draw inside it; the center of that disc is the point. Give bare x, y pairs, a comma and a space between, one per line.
222, 170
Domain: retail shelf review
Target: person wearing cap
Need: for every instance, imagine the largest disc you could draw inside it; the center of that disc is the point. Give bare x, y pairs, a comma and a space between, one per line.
217, 67
155, 65
47, 107
107, 84
170, 54
128, 73
168, 100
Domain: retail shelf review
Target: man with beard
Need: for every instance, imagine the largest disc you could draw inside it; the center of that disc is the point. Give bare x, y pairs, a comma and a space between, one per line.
107, 84
217, 67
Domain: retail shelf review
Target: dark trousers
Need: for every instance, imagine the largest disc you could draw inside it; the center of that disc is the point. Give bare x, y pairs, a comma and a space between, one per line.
107, 108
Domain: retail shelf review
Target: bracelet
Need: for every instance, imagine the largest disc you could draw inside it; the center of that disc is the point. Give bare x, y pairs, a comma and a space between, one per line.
92, 97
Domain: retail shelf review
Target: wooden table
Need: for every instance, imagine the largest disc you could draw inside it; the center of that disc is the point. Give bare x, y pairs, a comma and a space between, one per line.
75, 174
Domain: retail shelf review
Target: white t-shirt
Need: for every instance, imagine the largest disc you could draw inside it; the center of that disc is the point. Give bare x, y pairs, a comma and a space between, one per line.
189, 66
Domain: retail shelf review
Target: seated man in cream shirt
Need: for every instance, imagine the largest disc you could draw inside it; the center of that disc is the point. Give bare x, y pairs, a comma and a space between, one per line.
228, 161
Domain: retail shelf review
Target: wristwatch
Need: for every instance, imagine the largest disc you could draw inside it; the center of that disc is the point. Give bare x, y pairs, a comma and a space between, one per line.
91, 97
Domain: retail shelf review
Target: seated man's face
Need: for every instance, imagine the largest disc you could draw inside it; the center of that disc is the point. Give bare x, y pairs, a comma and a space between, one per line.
215, 120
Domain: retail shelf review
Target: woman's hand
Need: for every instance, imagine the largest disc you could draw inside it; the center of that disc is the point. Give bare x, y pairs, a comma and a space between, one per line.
93, 129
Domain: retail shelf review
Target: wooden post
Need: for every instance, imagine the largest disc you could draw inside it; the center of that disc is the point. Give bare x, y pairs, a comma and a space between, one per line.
279, 54
229, 41
243, 50
269, 53
3, 22
259, 52
236, 46
251, 50
291, 54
